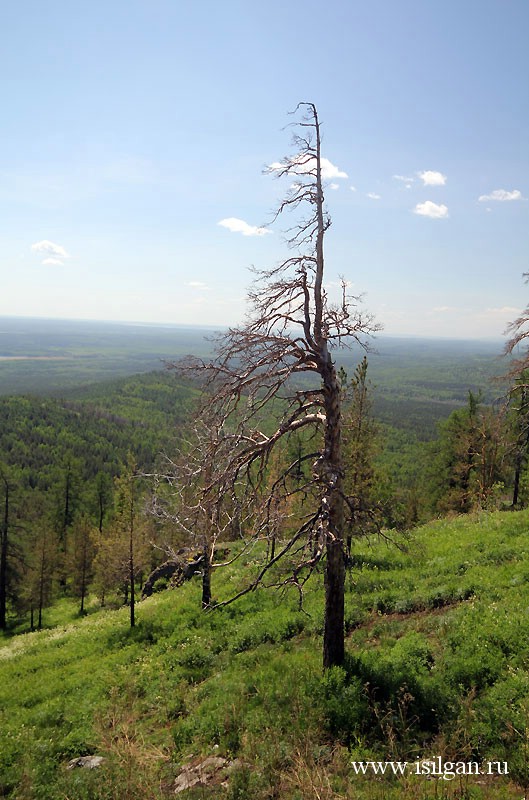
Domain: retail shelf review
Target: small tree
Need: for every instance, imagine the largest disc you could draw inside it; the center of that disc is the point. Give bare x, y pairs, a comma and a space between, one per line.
67, 501
470, 460
102, 497
38, 579
81, 558
280, 359
519, 428
11, 556
5, 529
183, 496
360, 447
122, 551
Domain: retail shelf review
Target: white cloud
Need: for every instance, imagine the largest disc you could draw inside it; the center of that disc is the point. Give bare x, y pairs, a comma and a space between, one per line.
54, 253
240, 226
432, 210
50, 248
302, 166
431, 178
334, 186
502, 196
373, 196
328, 170
353, 188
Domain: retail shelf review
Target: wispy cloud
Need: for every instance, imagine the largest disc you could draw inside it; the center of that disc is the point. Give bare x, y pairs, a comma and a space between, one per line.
407, 181
240, 226
373, 196
431, 178
197, 285
55, 253
300, 165
502, 196
432, 210
53, 262
352, 188
334, 186
503, 310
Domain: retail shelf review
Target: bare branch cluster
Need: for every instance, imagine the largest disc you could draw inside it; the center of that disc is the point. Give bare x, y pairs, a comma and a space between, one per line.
518, 331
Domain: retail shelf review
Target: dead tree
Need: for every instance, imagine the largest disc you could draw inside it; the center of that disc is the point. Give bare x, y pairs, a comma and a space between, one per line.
280, 359
184, 496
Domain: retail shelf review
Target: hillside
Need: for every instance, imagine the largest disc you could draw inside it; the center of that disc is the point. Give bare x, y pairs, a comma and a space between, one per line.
96, 426
437, 666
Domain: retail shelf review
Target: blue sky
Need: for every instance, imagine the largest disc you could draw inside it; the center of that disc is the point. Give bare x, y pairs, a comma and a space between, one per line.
132, 128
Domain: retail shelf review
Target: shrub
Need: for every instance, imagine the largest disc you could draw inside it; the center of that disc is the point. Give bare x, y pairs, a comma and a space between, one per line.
342, 703
160, 585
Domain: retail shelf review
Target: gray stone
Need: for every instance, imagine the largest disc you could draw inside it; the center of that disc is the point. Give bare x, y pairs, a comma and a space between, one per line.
89, 762
213, 770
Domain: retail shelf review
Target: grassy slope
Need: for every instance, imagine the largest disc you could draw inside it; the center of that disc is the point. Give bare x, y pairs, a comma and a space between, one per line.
438, 665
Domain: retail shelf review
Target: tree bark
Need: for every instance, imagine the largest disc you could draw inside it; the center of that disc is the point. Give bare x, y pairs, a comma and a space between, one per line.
334, 627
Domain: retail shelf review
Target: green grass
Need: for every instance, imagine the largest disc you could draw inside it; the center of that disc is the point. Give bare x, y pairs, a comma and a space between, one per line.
437, 665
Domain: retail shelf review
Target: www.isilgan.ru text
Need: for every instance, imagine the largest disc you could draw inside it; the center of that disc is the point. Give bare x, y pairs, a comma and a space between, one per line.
432, 768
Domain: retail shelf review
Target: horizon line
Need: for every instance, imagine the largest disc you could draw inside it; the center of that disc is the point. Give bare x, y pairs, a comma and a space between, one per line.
205, 326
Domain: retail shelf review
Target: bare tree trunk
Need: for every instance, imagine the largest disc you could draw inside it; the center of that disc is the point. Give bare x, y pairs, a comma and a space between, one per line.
42, 577
332, 502
3, 558
517, 475
272, 546
333, 506
131, 558
333, 633
132, 593
522, 448
83, 575
206, 575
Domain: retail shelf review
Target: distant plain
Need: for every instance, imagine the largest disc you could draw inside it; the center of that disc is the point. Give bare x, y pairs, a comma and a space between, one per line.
419, 380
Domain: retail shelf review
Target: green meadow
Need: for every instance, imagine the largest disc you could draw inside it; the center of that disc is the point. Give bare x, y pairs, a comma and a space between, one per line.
437, 666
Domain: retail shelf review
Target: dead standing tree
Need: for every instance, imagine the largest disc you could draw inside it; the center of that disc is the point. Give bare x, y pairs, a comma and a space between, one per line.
290, 332
184, 495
